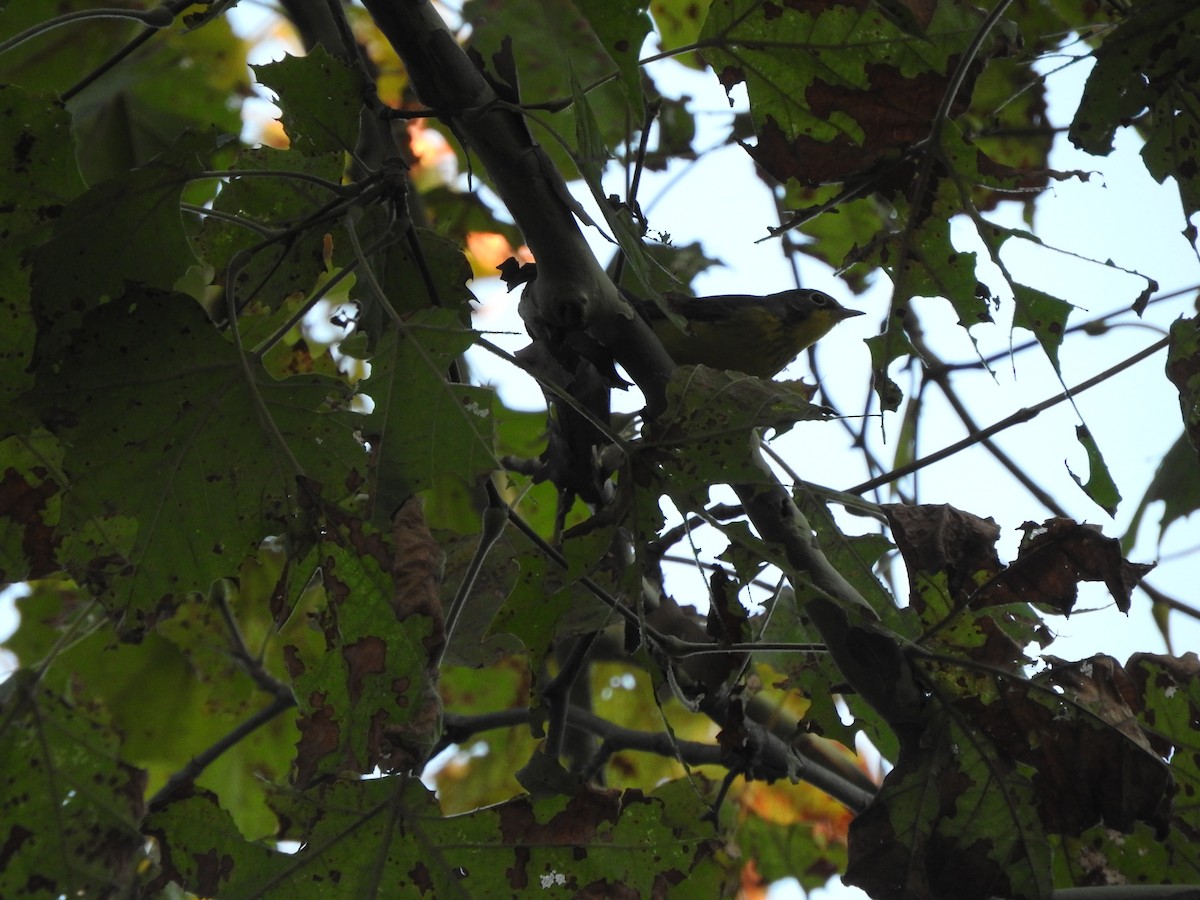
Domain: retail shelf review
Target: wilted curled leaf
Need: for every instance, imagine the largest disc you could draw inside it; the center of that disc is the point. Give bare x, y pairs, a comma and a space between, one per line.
943, 540
996, 767
417, 571
1103, 688
1058, 554
1094, 762
1090, 759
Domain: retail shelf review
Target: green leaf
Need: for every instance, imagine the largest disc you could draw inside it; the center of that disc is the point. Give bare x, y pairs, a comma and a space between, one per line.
162, 425
591, 157
551, 41
438, 278
1147, 65
125, 229
424, 427
1100, 485
1003, 104
29, 469
679, 23
533, 49
547, 602
1183, 369
475, 779
675, 267
70, 806
1169, 694
190, 82
1141, 857
1177, 483
1045, 316
38, 177
57, 58
293, 263
1000, 765
709, 421
936, 269
320, 97
621, 27
363, 835
201, 693
958, 819
857, 558
367, 691
837, 239
389, 831
192, 830
834, 89
885, 349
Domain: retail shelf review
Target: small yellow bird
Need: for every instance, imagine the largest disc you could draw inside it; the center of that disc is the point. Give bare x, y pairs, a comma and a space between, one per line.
751, 334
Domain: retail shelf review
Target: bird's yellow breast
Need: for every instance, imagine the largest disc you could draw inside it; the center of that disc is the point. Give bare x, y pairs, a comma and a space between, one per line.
752, 339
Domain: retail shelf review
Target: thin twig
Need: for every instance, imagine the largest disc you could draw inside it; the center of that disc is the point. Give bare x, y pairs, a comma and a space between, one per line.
207, 212
939, 375
1170, 602
1019, 417
253, 665
199, 763
155, 18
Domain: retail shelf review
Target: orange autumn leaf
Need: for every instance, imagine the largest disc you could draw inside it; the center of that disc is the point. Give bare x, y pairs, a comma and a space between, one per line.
487, 249
434, 163
753, 886
390, 76
789, 804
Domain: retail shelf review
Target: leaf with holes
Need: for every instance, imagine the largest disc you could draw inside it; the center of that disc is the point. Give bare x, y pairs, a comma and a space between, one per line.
166, 432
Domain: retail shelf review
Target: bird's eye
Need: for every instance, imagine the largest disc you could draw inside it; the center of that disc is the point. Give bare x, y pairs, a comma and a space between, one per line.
820, 299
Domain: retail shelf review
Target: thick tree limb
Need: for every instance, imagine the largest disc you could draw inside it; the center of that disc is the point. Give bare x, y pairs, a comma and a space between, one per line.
774, 759
572, 293
871, 660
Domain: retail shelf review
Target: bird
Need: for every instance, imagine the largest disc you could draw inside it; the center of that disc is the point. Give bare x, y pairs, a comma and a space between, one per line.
757, 335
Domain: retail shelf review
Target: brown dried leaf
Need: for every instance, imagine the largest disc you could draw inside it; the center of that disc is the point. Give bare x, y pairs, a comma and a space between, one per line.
1103, 687
1093, 763
417, 571
943, 540
1058, 554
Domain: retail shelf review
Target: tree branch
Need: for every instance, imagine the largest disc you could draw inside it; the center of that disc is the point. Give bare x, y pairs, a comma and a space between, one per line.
199, 763
773, 758
572, 292
871, 661
1020, 416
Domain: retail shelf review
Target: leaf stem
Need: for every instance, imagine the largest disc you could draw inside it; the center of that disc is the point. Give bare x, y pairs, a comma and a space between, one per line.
332, 186
494, 520
176, 6
263, 231
156, 18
